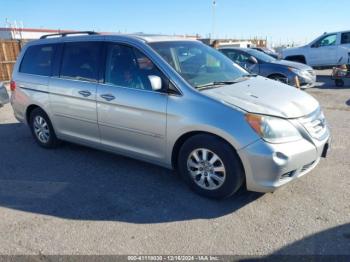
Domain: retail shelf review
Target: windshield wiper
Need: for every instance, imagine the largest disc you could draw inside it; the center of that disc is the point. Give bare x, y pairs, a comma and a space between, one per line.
250, 75
221, 83
216, 83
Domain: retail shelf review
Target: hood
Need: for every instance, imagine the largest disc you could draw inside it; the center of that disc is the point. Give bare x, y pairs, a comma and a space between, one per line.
264, 96
296, 65
292, 50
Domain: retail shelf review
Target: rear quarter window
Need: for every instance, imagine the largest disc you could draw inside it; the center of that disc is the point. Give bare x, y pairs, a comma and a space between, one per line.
38, 60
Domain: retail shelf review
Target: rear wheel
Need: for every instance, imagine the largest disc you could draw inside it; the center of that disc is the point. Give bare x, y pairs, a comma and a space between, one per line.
210, 166
42, 129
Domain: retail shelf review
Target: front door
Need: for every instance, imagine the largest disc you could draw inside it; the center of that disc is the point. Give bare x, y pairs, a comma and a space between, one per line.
324, 52
131, 116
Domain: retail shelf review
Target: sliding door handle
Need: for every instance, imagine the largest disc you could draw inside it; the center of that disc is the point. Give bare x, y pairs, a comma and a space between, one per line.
108, 97
85, 93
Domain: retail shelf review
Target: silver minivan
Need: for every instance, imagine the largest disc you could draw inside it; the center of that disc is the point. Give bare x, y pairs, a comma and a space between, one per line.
172, 102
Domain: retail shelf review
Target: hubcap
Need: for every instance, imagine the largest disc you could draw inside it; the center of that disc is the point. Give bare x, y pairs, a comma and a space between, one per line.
206, 168
41, 129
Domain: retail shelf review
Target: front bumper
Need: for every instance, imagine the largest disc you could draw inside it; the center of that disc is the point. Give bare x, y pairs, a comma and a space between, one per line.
270, 166
304, 82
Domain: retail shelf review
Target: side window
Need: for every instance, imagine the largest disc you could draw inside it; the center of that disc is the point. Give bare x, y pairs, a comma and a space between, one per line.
128, 67
328, 40
38, 60
345, 38
244, 58
80, 61
237, 57
232, 55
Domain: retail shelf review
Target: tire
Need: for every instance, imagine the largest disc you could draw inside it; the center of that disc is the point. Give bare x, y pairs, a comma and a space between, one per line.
198, 173
339, 82
41, 127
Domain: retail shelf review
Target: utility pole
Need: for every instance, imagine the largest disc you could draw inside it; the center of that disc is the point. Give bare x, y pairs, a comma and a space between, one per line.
213, 19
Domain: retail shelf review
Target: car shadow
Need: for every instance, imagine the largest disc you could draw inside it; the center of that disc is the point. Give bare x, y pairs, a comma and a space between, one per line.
326, 82
76, 182
329, 245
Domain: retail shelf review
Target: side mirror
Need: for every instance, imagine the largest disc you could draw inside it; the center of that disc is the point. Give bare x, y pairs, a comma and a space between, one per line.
156, 82
253, 60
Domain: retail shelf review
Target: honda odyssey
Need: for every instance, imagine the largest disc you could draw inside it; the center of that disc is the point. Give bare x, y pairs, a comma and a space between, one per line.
170, 101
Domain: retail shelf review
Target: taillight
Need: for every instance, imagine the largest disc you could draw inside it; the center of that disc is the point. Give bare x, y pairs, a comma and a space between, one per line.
12, 85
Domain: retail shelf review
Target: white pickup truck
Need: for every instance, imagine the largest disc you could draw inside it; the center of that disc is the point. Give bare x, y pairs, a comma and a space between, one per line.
330, 49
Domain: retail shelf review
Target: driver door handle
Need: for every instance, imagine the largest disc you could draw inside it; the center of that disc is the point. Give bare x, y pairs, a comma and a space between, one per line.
108, 97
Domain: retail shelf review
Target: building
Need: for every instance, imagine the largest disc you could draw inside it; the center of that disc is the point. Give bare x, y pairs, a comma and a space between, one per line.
237, 42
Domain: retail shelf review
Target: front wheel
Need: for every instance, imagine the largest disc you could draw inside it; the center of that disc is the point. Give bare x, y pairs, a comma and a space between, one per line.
210, 166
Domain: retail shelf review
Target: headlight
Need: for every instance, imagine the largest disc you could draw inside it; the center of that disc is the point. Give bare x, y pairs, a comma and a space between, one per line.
273, 129
298, 72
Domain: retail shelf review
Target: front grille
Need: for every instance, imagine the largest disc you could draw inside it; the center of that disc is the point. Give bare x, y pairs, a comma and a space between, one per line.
307, 167
315, 124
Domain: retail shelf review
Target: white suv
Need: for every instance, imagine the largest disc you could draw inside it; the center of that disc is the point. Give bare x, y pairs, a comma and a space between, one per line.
330, 49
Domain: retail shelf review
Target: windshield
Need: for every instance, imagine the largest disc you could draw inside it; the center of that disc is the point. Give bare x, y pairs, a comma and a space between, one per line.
197, 63
261, 56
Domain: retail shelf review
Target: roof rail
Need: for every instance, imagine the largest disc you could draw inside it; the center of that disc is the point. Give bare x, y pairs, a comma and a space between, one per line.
70, 33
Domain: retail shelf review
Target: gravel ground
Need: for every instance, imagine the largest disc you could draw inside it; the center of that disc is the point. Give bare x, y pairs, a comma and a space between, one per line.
76, 200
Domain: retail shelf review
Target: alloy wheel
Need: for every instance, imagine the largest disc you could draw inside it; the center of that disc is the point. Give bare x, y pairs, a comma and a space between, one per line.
41, 129
206, 168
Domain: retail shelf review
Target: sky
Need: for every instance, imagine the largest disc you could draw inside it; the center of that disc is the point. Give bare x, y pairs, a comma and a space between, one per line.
279, 21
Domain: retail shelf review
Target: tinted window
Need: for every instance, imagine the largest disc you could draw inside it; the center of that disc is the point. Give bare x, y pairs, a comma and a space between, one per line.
328, 40
80, 61
128, 67
38, 60
260, 55
236, 56
345, 38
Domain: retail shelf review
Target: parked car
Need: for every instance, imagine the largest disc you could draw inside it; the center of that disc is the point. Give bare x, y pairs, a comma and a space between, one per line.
4, 98
328, 50
173, 102
268, 51
292, 73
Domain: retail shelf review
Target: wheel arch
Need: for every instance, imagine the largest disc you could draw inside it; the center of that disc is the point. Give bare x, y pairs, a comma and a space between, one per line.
184, 137
296, 58
30, 109
276, 74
